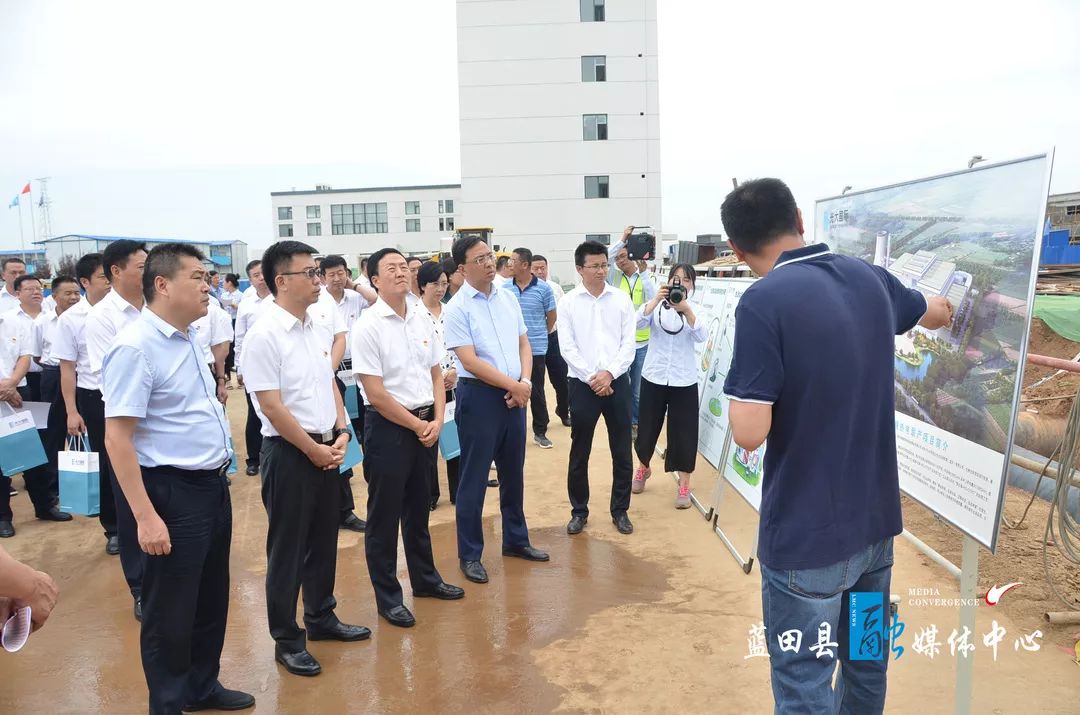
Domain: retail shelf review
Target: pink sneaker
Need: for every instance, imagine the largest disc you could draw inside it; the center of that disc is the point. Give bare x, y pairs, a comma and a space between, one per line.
640, 475
682, 498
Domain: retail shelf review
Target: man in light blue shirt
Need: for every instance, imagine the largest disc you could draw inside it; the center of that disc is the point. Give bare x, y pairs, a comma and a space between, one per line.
167, 437
484, 327
623, 274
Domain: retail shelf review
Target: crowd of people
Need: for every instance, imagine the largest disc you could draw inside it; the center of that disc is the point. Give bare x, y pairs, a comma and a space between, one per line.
136, 353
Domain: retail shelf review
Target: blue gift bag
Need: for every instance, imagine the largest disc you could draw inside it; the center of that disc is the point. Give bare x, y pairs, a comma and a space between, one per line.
80, 485
448, 441
353, 454
352, 401
232, 462
20, 444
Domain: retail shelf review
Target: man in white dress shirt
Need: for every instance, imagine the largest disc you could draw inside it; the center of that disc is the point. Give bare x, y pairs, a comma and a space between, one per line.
596, 328
213, 335
10, 269
250, 308
288, 371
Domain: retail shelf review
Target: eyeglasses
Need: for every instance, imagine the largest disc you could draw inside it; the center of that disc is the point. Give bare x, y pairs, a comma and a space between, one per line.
596, 267
484, 259
309, 273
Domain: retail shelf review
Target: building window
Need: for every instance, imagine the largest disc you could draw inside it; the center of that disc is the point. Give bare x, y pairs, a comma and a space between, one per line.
284, 213
446, 224
284, 230
1073, 210
412, 208
314, 211
596, 187
347, 219
604, 238
314, 229
594, 68
446, 207
595, 127
412, 225
592, 10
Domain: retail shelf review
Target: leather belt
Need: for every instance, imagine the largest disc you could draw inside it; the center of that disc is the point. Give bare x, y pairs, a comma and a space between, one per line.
425, 413
322, 437
194, 473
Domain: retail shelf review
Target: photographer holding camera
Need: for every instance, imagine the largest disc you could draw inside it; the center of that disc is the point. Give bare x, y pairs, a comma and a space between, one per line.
623, 275
669, 382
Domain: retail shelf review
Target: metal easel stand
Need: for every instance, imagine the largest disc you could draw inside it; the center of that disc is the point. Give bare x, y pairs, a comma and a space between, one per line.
747, 564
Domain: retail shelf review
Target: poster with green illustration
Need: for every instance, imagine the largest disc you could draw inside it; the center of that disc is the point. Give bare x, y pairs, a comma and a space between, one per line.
971, 237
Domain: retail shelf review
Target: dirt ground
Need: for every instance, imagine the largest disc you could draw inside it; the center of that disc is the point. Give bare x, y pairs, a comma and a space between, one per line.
657, 621
1045, 341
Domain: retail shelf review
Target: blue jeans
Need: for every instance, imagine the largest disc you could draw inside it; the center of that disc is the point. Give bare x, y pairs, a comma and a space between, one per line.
802, 600
635, 380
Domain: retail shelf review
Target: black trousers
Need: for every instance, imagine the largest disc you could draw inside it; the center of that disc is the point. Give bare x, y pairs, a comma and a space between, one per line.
301, 503
230, 359
538, 400
399, 468
186, 594
56, 433
451, 469
680, 404
115, 511
585, 410
252, 433
33, 387
36, 479
557, 373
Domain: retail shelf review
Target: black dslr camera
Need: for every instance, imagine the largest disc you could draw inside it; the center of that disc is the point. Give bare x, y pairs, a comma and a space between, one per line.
641, 245
676, 293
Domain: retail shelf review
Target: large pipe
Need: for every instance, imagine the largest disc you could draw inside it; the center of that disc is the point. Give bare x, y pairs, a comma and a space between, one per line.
1057, 363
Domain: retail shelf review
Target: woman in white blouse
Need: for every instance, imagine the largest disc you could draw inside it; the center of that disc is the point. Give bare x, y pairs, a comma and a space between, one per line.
432, 280
669, 383
230, 301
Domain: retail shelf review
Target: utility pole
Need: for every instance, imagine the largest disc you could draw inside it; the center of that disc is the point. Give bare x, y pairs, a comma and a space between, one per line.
44, 203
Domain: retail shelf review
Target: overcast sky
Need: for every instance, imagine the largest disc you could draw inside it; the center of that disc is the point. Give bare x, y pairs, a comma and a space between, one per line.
179, 119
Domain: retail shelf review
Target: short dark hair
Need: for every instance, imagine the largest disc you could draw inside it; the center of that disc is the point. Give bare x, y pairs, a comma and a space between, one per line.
588, 248
164, 260
10, 259
758, 212
278, 256
537, 257
232, 278
429, 273
87, 266
212, 273
61, 279
332, 261
373, 262
23, 278
410, 259
501, 262
117, 253
525, 254
449, 267
251, 265
462, 245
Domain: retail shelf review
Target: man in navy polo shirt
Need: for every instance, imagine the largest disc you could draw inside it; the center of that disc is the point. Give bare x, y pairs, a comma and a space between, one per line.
537, 302
813, 372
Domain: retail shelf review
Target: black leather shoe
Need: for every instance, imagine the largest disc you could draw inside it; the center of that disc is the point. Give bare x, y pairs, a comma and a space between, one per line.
299, 663
138, 610
339, 632
6, 530
566, 422
443, 592
224, 700
112, 546
433, 505
622, 523
528, 553
474, 571
54, 514
353, 523
577, 523
493, 482
252, 470
399, 616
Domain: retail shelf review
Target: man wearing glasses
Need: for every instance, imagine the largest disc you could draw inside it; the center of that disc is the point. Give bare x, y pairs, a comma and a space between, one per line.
484, 327
288, 371
596, 332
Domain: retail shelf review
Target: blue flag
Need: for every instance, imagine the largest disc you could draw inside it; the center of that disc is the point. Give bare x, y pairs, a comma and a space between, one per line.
14, 202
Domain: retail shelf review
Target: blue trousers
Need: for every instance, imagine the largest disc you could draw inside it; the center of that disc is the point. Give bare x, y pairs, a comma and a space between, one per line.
635, 380
802, 600
489, 431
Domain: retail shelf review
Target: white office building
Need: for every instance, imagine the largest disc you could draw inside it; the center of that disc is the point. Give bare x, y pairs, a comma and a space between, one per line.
559, 132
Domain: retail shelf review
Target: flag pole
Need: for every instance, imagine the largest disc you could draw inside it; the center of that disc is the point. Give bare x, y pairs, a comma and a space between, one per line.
33, 226
22, 238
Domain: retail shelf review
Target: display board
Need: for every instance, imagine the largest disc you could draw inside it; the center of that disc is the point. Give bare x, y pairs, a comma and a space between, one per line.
973, 237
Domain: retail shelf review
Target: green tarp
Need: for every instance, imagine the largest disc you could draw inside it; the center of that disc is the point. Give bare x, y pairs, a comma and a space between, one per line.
1061, 313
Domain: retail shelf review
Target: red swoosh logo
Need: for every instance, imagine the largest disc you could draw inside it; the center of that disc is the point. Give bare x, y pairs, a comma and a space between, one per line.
994, 594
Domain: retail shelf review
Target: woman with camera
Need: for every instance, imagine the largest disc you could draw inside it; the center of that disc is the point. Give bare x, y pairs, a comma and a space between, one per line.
433, 279
669, 382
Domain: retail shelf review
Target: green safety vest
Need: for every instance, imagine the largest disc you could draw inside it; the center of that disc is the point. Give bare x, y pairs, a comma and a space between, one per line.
637, 295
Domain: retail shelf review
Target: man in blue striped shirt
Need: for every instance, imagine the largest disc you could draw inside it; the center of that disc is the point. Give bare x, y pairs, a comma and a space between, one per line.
538, 308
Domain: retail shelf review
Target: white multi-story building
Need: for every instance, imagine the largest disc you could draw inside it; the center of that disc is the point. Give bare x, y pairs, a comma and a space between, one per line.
559, 131
358, 222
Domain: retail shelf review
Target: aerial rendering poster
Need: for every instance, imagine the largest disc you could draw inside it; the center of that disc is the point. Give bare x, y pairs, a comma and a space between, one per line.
973, 237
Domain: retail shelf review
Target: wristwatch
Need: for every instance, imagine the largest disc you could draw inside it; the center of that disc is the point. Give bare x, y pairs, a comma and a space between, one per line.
339, 432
